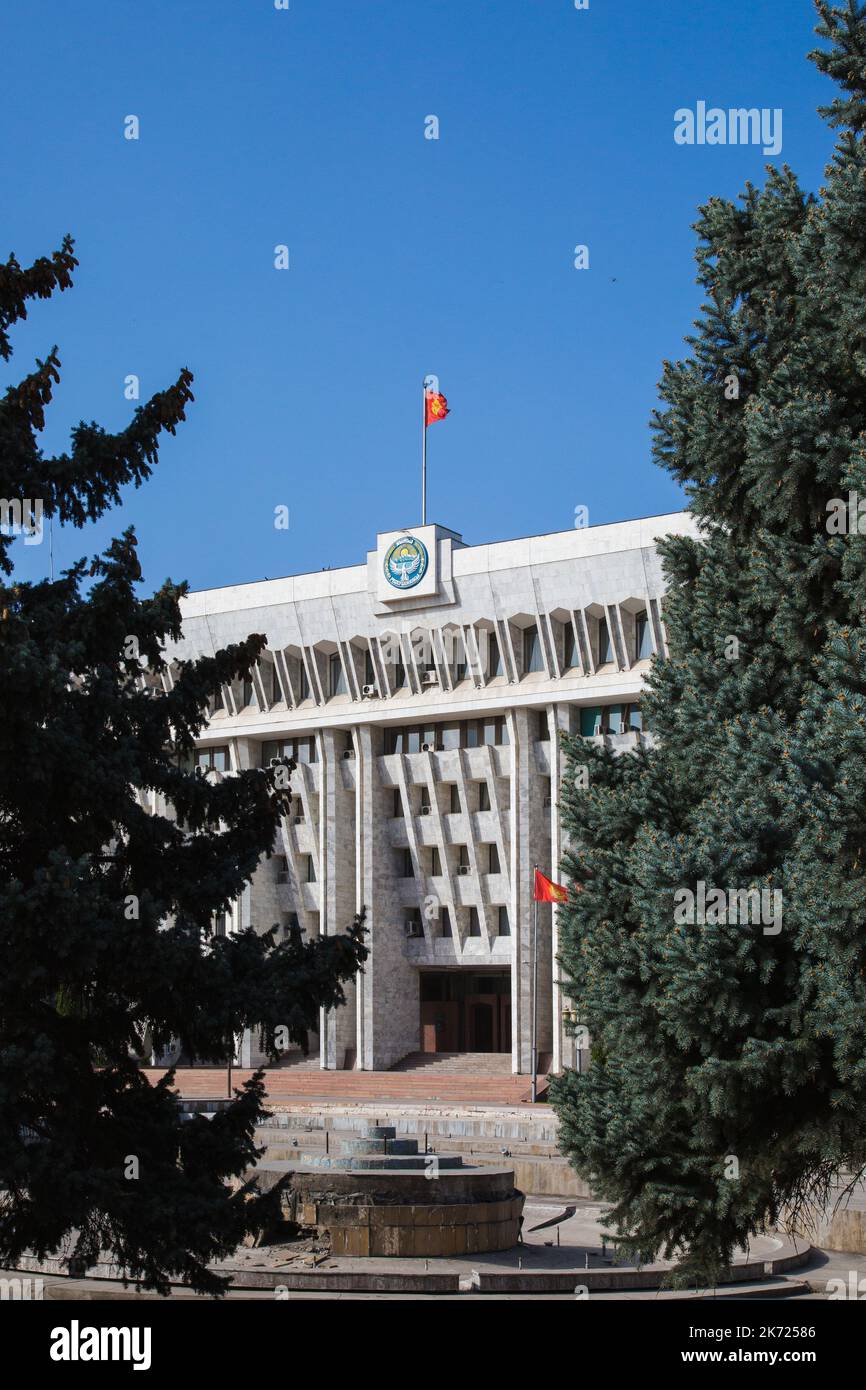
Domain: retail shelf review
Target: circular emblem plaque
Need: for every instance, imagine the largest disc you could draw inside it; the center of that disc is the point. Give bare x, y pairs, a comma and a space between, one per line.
406, 562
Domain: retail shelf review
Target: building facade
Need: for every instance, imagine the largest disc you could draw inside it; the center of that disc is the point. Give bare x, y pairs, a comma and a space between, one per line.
422, 694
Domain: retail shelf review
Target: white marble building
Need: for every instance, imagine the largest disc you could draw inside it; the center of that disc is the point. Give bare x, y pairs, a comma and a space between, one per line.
421, 693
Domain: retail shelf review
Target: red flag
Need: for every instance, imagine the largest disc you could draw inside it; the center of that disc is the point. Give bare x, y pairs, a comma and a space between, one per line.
546, 891
436, 407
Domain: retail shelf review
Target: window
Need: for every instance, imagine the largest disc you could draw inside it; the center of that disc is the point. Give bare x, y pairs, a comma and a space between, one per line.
605, 646
492, 859
494, 657
222, 924
590, 722
446, 922
266, 676
303, 684
397, 809
311, 868
301, 750
400, 677
634, 718
543, 734
503, 925
449, 735
483, 796
570, 650
614, 719
247, 694
216, 758
291, 925
532, 660
369, 673
474, 923
463, 856
643, 646
336, 675
435, 863
461, 669
455, 800
405, 864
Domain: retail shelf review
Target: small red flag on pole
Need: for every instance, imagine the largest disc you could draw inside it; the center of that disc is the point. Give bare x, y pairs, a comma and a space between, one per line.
433, 407
546, 891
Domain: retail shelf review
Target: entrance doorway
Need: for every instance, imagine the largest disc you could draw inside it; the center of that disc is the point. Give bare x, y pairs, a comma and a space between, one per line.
465, 1011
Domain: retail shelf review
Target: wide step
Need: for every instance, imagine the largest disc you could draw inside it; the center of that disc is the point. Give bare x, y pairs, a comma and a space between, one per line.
206, 1083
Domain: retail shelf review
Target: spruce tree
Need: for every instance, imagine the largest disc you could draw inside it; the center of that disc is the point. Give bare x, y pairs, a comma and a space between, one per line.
106, 910
728, 1077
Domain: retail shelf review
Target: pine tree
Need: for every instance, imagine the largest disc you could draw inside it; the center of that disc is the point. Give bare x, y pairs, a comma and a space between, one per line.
728, 1076
107, 911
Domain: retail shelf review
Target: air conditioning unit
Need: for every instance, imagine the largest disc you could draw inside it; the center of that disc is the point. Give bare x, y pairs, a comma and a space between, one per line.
463, 869
425, 809
431, 678
428, 747
413, 928
297, 820
349, 753
369, 691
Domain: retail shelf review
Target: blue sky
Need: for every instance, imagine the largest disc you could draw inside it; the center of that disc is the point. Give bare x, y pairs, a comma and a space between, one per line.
305, 127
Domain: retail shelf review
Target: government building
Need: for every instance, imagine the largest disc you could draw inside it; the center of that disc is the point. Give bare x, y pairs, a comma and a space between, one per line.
422, 693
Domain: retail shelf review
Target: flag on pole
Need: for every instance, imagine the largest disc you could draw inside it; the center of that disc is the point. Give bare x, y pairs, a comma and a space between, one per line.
436, 407
546, 891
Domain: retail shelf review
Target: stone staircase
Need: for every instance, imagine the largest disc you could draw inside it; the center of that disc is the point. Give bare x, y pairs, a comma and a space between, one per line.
481, 1064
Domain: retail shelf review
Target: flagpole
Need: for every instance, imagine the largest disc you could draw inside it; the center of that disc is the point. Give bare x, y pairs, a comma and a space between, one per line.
424, 453
534, 1088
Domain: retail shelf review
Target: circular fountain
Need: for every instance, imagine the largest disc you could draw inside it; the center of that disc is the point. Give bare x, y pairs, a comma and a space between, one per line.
381, 1196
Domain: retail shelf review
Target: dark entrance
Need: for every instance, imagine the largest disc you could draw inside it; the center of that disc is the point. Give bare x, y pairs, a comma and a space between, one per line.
465, 1011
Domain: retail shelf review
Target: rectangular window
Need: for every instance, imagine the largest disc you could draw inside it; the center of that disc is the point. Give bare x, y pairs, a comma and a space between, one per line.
614, 719
336, 675
270, 749
247, 695
216, 758
483, 796
570, 651
455, 799
543, 727
266, 676
450, 736
311, 869
463, 856
503, 924
492, 859
303, 684
643, 647
474, 923
531, 651
407, 871
369, 673
400, 677
435, 863
413, 741
445, 919
590, 722
635, 718
397, 809
605, 646
494, 657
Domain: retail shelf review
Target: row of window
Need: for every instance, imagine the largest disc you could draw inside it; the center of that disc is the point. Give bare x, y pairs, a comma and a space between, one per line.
488, 858
452, 792
443, 926
609, 719
462, 733
457, 660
